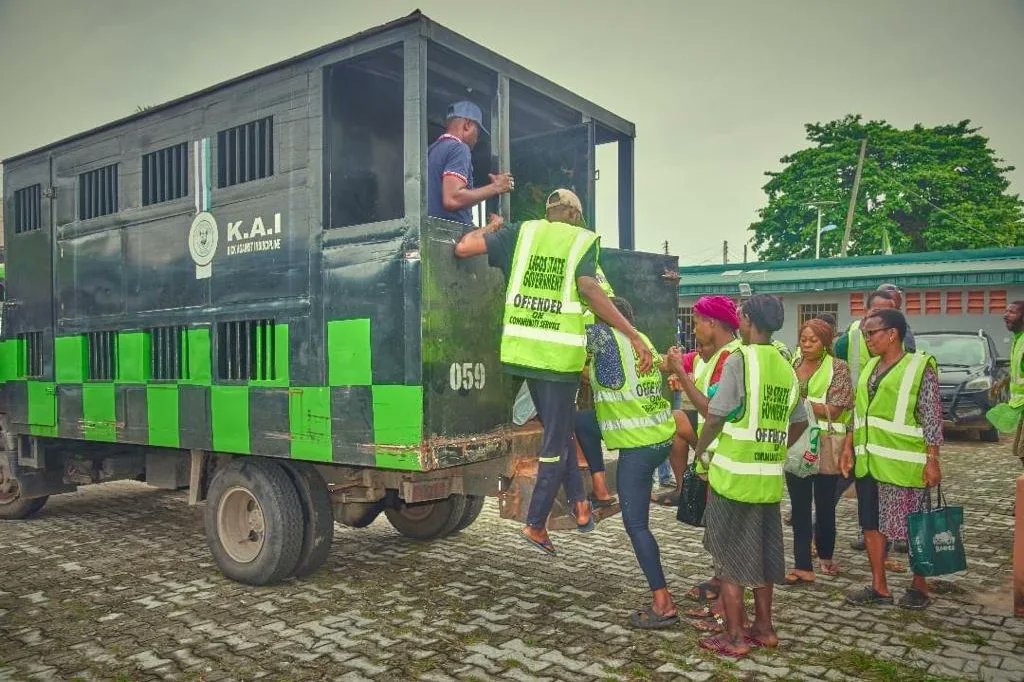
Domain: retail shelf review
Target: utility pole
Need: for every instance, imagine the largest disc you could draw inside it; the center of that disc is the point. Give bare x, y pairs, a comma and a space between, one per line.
853, 196
817, 235
665, 245
725, 252
744, 253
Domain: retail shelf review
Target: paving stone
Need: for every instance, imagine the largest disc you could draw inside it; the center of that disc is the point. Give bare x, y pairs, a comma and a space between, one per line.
122, 582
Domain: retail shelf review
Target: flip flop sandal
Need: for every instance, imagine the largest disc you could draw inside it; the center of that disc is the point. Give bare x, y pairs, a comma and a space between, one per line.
649, 619
915, 600
598, 504
829, 569
868, 597
702, 612
715, 624
589, 525
795, 579
716, 646
546, 547
705, 591
756, 643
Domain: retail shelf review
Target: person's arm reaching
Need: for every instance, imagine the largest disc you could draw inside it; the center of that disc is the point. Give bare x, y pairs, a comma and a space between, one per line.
473, 242
602, 306
457, 195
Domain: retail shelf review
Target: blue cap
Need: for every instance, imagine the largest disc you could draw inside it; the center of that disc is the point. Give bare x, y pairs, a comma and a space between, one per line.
468, 110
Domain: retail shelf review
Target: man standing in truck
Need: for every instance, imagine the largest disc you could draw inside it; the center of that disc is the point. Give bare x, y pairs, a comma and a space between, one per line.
550, 268
450, 191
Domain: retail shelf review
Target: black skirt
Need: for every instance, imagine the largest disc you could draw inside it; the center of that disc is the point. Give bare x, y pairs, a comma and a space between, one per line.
745, 541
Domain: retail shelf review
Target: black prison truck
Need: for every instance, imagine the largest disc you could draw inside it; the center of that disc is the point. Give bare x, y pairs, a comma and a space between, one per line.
240, 292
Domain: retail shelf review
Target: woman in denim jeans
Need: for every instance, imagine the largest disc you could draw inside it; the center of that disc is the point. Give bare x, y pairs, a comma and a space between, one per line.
637, 420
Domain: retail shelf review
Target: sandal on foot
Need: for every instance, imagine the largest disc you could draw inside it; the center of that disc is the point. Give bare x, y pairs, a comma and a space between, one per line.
914, 600
829, 568
545, 546
596, 503
867, 597
701, 612
715, 624
722, 648
649, 619
667, 499
759, 643
794, 578
705, 591
589, 525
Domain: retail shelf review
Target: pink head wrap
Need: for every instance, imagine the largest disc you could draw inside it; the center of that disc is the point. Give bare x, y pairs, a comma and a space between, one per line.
721, 308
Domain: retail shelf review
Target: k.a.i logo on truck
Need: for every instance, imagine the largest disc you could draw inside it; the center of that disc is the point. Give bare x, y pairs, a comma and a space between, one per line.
242, 238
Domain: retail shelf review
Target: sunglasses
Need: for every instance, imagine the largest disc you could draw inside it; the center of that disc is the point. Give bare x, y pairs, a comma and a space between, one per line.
870, 333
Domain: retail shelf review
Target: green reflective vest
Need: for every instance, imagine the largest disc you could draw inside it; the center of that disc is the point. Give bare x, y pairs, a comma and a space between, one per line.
602, 281
817, 390
747, 465
702, 380
636, 414
783, 349
1016, 372
888, 440
543, 319
857, 353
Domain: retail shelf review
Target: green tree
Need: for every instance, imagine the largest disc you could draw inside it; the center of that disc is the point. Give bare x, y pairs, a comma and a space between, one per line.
922, 189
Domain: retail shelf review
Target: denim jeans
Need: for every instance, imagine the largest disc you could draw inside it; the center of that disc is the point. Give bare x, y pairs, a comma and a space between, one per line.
636, 465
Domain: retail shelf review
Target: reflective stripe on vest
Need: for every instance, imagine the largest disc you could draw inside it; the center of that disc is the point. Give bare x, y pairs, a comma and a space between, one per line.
747, 466
702, 381
857, 352
636, 415
543, 318
602, 281
888, 440
817, 390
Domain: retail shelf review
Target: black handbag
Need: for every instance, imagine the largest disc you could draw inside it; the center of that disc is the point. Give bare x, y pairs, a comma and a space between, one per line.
693, 498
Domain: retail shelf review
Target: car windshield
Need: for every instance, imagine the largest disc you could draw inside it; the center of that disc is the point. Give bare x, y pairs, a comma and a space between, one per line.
953, 349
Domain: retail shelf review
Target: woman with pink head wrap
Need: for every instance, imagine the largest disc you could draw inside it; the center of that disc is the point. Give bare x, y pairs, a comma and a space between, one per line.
721, 309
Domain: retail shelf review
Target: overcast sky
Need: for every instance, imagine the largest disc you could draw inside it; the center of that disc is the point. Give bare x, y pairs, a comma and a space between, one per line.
719, 90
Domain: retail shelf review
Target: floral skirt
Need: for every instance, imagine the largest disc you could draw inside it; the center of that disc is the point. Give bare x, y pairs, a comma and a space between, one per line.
895, 504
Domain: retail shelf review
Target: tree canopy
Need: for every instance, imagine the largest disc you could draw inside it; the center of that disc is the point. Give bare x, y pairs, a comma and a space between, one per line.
922, 189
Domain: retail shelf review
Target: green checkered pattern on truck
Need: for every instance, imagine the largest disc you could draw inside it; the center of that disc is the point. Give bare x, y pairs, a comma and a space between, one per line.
349, 420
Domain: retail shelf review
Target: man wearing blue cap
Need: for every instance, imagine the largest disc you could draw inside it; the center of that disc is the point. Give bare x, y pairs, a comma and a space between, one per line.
450, 191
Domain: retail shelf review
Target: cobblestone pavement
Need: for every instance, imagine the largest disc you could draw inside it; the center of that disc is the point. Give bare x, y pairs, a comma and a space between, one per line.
115, 582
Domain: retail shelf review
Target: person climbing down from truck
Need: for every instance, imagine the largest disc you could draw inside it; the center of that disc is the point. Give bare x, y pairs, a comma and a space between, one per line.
635, 419
450, 191
550, 267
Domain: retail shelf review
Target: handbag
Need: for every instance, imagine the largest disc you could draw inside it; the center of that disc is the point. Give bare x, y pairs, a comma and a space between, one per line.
830, 449
935, 539
693, 498
802, 458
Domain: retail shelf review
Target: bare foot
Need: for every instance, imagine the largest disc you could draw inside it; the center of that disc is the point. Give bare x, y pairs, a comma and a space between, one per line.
582, 512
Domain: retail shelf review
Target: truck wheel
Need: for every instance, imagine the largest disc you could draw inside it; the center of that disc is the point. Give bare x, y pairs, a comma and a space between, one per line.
428, 520
317, 516
474, 505
252, 511
12, 505
989, 435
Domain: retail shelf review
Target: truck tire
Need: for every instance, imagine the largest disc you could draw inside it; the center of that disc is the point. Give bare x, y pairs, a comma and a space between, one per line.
12, 505
428, 520
989, 435
252, 511
474, 505
317, 516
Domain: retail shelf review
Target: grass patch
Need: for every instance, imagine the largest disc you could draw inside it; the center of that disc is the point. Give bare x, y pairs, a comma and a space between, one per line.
922, 641
970, 637
864, 666
513, 663
638, 672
